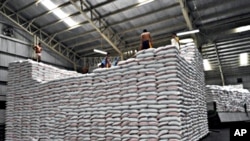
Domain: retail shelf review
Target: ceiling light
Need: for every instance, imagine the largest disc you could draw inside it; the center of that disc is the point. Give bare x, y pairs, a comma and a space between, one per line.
49, 4
243, 59
242, 29
101, 52
58, 12
188, 32
206, 65
187, 40
142, 2
71, 22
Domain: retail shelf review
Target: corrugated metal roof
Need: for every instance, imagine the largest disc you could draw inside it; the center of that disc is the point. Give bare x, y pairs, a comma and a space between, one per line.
214, 18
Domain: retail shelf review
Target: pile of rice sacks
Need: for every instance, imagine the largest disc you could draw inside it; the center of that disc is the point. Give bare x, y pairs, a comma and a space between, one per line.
228, 98
157, 96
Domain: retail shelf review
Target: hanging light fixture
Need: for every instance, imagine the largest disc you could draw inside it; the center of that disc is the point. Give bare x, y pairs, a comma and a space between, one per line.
100, 51
188, 32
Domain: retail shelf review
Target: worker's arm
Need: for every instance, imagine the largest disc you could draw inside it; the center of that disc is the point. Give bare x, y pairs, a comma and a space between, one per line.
150, 39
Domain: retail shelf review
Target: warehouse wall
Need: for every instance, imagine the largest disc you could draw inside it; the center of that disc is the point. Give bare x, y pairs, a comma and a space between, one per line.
231, 80
19, 47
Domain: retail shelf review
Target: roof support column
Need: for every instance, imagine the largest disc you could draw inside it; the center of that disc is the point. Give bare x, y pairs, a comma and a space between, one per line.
220, 67
189, 21
97, 23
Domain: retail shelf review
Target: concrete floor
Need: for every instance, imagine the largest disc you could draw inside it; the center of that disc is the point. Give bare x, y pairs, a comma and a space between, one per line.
218, 135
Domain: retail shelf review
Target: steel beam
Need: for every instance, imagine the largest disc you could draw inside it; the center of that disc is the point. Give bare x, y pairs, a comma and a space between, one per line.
61, 6
4, 3
188, 18
67, 29
139, 16
220, 67
131, 37
107, 34
61, 20
133, 47
161, 32
135, 44
48, 12
60, 49
79, 35
136, 17
24, 8
151, 23
85, 42
236, 51
212, 19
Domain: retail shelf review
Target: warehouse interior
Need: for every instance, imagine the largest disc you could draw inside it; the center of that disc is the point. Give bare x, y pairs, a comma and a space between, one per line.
69, 30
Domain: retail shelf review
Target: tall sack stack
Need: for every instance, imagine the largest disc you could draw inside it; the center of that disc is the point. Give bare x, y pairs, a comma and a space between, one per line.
97, 117
147, 119
228, 99
170, 95
129, 96
155, 96
192, 55
28, 100
110, 105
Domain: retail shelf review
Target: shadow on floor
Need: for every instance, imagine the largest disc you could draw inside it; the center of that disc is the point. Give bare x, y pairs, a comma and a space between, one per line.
218, 135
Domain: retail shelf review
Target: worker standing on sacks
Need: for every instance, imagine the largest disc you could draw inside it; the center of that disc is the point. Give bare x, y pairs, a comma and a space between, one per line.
146, 40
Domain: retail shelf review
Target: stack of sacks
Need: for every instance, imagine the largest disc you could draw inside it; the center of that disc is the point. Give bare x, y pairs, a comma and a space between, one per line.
189, 53
146, 84
147, 99
155, 96
129, 95
98, 96
228, 99
105, 99
28, 99
192, 55
84, 106
21, 106
171, 94
71, 110
12, 116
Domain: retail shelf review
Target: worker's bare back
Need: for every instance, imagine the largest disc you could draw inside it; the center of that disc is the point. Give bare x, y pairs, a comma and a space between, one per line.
145, 36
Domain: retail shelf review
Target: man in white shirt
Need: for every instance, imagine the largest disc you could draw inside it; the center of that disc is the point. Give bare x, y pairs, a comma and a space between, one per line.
175, 41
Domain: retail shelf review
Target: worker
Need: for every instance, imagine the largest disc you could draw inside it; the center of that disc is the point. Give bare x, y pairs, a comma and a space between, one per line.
115, 62
106, 61
85, 69
38, 50
146, 40
175, 41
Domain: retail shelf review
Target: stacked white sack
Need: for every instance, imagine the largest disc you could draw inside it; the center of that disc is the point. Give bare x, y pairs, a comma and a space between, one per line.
27, 96
169, 98
228, 99
192, 55
147, 119
150, 97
